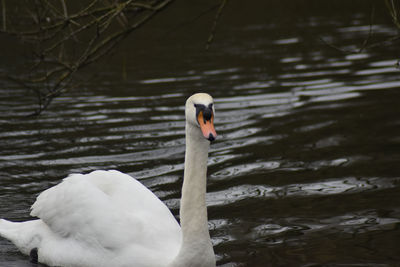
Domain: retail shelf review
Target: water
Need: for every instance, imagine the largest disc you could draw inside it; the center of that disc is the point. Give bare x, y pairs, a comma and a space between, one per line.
305, 171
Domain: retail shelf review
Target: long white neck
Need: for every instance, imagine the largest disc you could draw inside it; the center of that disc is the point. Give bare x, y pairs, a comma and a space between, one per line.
193, 210
196, 245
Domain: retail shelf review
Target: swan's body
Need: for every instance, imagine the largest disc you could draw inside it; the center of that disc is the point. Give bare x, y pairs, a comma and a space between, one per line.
98, 219
107, 218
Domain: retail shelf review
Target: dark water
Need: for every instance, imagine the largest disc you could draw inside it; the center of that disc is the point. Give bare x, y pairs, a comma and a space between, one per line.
306, 169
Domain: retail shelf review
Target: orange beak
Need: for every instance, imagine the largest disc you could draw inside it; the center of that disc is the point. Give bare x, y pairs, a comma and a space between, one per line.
207, 127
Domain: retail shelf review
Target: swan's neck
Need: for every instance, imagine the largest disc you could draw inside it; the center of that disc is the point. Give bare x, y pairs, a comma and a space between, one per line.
193, 210
196, 244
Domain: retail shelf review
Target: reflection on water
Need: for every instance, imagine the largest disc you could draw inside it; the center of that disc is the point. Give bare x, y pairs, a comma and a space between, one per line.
306, 168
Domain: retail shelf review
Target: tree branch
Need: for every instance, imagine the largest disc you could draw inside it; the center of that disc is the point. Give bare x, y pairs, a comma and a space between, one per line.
55, 34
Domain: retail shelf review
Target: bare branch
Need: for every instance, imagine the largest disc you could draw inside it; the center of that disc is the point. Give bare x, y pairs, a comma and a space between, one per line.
63, 42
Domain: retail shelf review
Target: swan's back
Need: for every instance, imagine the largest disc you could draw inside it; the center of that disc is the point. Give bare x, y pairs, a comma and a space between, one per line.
104, 218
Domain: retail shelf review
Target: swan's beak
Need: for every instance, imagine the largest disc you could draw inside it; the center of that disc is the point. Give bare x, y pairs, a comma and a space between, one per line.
207, 126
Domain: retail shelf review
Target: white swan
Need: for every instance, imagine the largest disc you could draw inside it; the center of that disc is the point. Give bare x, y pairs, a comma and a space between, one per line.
107, 218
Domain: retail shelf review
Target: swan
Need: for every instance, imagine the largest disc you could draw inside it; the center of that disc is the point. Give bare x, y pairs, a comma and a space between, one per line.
107, 218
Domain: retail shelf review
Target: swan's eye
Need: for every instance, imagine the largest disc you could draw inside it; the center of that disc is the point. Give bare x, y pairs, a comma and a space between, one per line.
206, 111
199, 108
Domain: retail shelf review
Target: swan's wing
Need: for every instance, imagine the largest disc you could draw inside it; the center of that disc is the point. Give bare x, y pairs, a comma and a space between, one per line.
108, 209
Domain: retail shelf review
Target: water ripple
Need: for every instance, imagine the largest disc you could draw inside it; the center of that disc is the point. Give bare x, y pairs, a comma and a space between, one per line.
348, 185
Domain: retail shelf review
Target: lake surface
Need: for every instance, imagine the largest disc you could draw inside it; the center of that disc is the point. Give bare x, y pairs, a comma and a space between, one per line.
306, 167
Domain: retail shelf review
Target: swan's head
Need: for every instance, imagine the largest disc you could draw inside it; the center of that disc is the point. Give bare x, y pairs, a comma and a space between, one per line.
200, 113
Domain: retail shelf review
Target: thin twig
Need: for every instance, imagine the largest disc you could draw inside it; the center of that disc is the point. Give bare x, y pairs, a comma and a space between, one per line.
394, 10
335, 47
369, 32
214, 27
